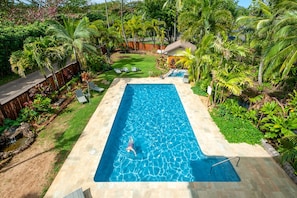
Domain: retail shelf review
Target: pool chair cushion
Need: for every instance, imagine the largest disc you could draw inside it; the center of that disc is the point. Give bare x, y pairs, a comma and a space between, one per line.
118, 71
125, 69
80, 96
76, 194
95, 87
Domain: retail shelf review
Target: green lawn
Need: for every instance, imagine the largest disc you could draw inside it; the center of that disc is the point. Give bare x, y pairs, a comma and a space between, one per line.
146, 63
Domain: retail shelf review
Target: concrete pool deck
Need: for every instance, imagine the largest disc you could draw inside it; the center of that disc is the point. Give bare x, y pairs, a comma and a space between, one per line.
260, 175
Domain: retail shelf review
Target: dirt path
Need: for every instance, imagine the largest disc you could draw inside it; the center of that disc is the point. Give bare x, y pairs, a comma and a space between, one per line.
26, 174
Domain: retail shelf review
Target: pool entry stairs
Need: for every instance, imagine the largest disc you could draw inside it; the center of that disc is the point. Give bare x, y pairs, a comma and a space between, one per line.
226, 160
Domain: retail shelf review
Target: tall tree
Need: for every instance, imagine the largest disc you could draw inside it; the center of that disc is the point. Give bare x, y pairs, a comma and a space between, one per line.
106, 13
74, 37
106, 38
122, 23
260, 22
202, 17
281, 58
134, 25
178, 7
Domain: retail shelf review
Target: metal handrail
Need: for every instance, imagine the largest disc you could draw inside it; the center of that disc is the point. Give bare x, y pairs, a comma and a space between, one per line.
226, 160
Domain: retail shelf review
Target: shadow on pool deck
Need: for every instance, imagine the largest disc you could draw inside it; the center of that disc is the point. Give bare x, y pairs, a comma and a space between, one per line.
260, 177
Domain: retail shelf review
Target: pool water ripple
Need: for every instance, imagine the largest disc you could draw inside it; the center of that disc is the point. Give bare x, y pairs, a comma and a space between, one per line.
166, 147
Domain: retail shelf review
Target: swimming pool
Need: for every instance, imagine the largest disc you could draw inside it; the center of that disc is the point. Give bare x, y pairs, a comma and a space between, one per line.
177, 73
167, 149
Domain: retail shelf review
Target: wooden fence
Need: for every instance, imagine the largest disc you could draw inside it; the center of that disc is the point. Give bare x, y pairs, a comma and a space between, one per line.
10, 109
144, 46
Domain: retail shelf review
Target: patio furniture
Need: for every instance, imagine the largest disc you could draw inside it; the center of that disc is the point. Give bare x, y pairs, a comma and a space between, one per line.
80, 96
135, 69
186, 78
76, 194
118, 71
95, 87
125, 69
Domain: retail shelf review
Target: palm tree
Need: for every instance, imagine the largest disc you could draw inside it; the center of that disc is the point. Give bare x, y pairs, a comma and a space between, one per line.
134, 26
19, 62
187, 59
201, 17
227, 83
106, 13
107, 38
41, 53
204, 59
74, 37
178, 6
155, 26
122, 23
281, 58
261, 24
229, 75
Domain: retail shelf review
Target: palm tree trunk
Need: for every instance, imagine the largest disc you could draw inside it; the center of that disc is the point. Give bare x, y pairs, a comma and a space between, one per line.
55, 80
175, 26
76, 58
106, 12
122, 22
260, 72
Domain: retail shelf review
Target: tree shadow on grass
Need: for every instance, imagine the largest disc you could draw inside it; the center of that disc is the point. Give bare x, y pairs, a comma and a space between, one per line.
31, 195
64, 146
127, 61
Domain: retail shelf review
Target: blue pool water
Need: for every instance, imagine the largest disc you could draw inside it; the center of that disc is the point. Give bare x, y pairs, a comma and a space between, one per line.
167, 149
177, 73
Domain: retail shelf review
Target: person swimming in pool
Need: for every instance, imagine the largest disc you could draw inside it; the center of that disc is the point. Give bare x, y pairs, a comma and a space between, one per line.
131, 145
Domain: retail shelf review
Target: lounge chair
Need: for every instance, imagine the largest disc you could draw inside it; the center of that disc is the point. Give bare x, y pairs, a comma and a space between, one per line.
95, 87
125, 69
76, 194
186, 78
118, 71
135, 69
80, 96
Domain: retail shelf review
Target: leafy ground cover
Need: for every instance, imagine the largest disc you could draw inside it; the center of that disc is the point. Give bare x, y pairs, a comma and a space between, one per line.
236, 130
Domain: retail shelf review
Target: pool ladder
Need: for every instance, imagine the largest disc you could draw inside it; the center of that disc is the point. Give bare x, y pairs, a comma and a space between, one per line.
226, 160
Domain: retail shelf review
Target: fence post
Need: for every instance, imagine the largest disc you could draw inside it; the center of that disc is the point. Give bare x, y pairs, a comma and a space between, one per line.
1, 115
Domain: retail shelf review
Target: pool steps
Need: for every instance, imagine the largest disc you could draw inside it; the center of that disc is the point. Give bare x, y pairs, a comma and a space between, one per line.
226, 160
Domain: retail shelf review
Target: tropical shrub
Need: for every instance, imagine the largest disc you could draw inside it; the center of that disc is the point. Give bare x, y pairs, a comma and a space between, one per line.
42, 104
97, 63
278, 121
27, 114
288, 150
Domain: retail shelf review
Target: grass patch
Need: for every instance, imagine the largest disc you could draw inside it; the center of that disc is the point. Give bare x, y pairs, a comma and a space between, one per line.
236, 130
146, 63
197, 90
65, 130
